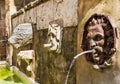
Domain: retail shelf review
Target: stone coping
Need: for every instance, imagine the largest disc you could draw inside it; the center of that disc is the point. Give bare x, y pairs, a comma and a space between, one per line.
3, 63
28, 7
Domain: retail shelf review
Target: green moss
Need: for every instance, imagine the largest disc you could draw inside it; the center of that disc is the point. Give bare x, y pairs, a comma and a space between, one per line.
7, 77
8, 82
5, 72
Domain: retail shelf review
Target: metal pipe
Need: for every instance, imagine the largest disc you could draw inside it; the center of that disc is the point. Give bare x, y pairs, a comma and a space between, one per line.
85, 52
47, 45
74, 59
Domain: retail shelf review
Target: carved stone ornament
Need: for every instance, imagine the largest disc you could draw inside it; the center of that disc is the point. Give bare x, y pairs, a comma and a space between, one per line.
55, 31
26, 55
99, 34
22, 35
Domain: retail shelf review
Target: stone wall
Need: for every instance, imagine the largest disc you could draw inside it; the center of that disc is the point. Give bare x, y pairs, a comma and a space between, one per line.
37, 13
85, 72
52, 68
21, 3
2, 30
48, 67
2, 14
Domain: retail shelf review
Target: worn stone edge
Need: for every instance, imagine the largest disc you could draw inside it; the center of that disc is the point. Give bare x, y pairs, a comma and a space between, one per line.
28, 7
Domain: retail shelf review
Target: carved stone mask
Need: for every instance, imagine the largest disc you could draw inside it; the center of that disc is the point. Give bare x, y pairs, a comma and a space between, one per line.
95, 37
22, 35
100, 35
55, 36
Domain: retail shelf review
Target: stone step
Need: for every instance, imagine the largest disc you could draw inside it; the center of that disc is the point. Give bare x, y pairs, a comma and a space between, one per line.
3, 63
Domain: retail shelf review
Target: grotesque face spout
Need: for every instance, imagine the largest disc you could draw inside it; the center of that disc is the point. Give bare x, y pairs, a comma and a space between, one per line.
95, 37
99, 34
55, 31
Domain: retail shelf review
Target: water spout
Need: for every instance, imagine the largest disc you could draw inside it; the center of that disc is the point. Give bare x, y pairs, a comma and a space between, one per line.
47, 45
74, 59
85, 52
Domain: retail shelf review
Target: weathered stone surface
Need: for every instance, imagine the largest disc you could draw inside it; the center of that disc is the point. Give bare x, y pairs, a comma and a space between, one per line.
51, 68
84, 69
22, 3
2, 14
22, 35
51, 10
2, 31
26, 54
57, 9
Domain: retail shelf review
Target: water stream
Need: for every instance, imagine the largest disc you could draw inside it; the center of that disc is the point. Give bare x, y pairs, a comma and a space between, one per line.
74, 59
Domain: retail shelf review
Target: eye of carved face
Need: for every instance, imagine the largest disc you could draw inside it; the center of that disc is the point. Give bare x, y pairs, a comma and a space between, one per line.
99, 35
95, 35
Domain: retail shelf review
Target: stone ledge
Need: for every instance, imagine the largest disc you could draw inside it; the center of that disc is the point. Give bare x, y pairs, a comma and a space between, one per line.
3, 63
27, 7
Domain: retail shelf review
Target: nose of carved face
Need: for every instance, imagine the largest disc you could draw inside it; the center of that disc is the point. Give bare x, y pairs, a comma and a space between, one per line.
92, 43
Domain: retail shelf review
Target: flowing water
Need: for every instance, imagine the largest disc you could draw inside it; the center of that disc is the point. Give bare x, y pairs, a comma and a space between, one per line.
74, 59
